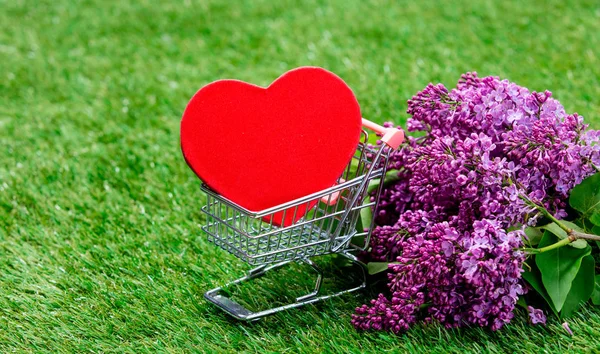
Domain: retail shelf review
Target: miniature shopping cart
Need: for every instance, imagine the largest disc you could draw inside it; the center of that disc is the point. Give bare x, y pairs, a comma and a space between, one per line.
329, 227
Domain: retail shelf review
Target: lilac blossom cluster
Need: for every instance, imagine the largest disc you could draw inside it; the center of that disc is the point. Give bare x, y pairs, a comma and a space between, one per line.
451, 223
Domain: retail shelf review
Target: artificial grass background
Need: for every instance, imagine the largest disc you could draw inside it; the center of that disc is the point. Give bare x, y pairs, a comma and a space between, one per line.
100, 246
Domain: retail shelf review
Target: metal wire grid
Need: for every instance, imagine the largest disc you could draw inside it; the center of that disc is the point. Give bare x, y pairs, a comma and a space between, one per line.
248, 236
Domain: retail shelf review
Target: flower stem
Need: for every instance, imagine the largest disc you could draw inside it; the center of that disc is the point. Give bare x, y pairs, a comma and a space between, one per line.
553, 218
575, 235
563, 242
572, 235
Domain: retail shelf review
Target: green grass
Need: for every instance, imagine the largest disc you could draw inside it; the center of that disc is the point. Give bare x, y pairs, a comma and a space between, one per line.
100, 241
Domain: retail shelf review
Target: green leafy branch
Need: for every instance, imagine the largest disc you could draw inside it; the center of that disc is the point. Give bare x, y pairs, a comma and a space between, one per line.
564, 277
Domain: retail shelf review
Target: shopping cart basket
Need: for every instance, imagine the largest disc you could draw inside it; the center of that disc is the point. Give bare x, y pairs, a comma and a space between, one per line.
329, 227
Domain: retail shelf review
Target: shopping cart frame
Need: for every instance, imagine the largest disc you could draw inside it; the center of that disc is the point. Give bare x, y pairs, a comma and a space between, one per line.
327, 228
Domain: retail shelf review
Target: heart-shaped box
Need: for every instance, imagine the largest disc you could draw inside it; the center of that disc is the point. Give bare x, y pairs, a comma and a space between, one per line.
261, 147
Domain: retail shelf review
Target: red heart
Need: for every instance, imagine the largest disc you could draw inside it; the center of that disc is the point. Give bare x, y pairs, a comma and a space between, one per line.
261, 147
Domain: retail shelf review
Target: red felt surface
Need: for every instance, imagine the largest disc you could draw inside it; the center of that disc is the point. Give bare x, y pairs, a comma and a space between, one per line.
261, 147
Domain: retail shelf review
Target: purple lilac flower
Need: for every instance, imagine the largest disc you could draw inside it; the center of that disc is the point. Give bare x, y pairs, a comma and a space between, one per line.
536, 316
446, 220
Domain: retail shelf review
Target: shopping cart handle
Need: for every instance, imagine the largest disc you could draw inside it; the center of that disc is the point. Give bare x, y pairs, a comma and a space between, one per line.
392, 137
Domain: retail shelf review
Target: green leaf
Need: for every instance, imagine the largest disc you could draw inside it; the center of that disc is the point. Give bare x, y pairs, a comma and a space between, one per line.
534, 278
373, 185
595, 219
521, 302
560, 233
534, 235
366, 218
596, 293
378, 267
391, 176
596, 230
366, 213
581, 288
585, 198
559, 267
555, 229
585, 224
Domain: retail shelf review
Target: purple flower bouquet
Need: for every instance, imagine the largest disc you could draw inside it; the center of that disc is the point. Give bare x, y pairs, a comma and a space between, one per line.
496, 204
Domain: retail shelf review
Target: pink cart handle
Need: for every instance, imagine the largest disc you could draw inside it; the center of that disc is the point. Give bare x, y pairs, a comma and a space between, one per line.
392, 137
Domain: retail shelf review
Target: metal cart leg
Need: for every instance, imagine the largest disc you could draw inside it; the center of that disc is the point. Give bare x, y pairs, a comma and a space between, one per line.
318, 284
241, 313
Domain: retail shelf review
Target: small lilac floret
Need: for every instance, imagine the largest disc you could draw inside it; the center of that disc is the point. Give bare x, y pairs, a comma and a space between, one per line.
536, 316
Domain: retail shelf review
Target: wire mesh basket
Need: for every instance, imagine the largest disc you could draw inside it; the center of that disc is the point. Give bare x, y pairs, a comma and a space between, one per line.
330, 226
